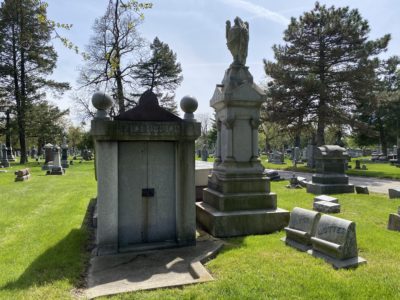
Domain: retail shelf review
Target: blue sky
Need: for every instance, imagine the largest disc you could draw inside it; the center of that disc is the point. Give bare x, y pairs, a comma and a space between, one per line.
195, 30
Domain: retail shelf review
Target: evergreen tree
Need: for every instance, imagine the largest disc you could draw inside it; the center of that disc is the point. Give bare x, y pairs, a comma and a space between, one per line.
27, 58
324, 68
160, 73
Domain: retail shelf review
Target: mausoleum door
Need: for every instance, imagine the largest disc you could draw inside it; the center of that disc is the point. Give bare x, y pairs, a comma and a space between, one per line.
147, 209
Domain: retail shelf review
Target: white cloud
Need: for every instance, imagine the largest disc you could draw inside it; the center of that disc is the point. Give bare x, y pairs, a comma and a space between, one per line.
258, 11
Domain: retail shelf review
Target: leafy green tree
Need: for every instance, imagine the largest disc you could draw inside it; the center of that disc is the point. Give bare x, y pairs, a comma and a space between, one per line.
113, 51
160, 73
27, 58
324, 68
46, 123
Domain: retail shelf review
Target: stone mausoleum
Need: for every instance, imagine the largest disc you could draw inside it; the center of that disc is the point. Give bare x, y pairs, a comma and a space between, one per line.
145, 176
238, 200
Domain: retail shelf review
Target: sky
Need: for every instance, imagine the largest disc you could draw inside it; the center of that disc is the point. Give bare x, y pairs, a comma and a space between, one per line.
195, 31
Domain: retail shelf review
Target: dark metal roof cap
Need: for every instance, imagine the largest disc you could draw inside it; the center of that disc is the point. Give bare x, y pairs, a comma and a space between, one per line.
148, 109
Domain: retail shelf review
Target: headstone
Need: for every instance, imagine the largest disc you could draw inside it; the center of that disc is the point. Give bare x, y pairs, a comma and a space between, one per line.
276, 157
48, 156
394, 221
330, 178
198, 153
64, 154
22, 175
302, 181
296, 155
361, 189
335, 241
204, 153
311, 148
302, 226
272, 175
238, 200
33, 152
394, 193
4, 160
326, 207
358, 165
10, 154
326, 198
304, 155
56, 168
364, 167
145, 168
294, 183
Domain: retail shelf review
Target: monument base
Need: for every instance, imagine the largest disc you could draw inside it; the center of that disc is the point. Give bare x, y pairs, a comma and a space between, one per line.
240, 222
353, 262
318, 188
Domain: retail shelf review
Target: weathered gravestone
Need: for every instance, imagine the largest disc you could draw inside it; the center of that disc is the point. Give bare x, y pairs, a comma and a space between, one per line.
335, 241
330, 178
238, 200
394, 221
204, 153
301, 228
276, 157
48, 156
361, 189
33, 152
358, 165
56, 168
22, 175
4, 160
394, 193
145, 176
64, 154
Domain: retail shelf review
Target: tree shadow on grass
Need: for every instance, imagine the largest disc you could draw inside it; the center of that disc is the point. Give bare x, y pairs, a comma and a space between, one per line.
66, 260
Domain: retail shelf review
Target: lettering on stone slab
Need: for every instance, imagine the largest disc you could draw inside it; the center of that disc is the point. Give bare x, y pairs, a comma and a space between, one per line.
331, 230
148, 129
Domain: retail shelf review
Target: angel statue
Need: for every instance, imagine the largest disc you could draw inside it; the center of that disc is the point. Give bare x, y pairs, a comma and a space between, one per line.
237, 40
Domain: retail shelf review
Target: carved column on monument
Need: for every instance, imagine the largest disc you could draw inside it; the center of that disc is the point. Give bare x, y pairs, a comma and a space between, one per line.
228, 124
254, 123
218, 144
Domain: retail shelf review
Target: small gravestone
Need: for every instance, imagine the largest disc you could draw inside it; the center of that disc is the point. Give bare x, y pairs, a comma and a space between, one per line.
302, 226
358, 165
204, 153
326, 207
294, 183
33, 153
394, 221
326, 199
302, 181
198, 153
364, 167
4, 160
48, 156
276, 157
64, 154
272, 175
335, 241
394, 193
330, 177
56, 168
361, 189
22, 175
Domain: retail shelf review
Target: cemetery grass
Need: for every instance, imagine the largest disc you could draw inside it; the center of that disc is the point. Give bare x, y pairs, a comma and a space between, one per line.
42, 241
44, 248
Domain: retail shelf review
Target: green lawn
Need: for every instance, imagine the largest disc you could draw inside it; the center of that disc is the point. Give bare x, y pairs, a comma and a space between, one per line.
43, 248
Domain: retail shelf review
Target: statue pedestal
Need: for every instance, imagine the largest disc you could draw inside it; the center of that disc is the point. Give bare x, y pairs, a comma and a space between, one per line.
238, 200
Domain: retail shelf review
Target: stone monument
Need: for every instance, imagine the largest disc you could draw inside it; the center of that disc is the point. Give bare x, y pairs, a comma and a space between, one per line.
64, 153
33, 152
330, 161
238, 200
204, 153
48, 156
56, 168
145, 168
4, 159
394, 221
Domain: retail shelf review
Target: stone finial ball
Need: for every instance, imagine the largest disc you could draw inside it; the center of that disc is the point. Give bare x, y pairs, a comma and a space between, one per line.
101, 101
189, 104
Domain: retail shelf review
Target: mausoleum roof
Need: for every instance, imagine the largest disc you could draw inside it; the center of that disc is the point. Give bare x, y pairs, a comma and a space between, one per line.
148, 109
